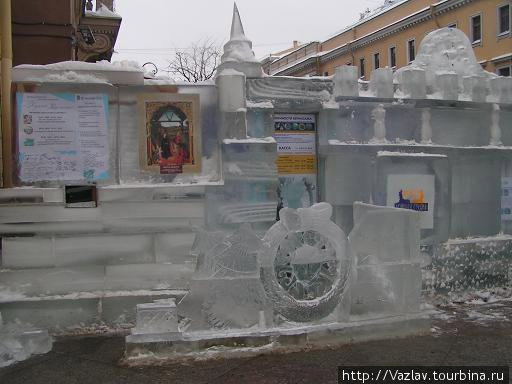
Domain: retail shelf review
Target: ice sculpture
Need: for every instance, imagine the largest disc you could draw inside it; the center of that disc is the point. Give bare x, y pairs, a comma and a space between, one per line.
19, 341
426, 128
225, 291
159, 316
495, 126
444, 50
379, 124
238, 54
305, 263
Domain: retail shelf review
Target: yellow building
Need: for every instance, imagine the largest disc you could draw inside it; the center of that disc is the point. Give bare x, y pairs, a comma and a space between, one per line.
390, 37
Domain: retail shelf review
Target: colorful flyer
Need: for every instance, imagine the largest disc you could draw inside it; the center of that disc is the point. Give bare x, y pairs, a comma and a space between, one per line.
295, 135
415, 192
62, 136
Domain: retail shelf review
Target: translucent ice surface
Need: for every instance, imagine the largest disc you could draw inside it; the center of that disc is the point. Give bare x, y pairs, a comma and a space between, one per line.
18, 342
305, 263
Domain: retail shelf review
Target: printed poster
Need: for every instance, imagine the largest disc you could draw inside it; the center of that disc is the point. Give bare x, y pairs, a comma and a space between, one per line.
62, 136
415, 192
295, 135
506, 198
171, 133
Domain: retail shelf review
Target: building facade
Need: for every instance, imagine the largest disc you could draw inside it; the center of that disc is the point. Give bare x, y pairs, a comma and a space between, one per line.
390, 37
50, 31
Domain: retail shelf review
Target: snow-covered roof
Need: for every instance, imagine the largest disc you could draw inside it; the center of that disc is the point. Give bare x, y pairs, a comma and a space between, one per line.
387, 6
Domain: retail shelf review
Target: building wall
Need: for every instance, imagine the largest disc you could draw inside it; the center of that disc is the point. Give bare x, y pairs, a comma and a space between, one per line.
490, 47
43, 31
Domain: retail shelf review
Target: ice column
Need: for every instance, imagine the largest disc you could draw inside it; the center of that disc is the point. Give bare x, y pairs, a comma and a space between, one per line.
381, 83
501, 89
475, 87
379, 125
495, 126
414, 83
345, 81
448, 85
231, 85
426, 128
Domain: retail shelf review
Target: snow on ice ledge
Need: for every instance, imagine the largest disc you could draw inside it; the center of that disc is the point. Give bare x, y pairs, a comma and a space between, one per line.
251, 140
408, 154
124, 72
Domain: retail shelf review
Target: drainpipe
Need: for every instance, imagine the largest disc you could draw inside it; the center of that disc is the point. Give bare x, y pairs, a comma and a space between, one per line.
5, 22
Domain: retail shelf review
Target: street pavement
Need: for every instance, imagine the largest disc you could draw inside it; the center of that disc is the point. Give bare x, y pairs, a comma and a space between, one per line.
461, 334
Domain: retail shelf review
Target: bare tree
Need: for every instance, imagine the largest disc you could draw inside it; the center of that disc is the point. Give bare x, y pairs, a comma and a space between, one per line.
195, 63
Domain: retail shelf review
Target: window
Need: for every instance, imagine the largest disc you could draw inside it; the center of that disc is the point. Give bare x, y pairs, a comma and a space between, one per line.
361, 67
411, 50
504, 71
476, 29
376, 60
392, 57
504, 19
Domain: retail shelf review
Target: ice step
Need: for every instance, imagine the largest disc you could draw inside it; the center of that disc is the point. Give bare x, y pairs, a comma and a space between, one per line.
65, 313
56, 281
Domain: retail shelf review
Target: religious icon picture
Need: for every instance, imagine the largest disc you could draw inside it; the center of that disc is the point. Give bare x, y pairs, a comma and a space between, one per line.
170, 133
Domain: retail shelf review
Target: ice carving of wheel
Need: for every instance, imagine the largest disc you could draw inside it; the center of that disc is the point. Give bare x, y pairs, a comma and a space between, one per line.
305, 263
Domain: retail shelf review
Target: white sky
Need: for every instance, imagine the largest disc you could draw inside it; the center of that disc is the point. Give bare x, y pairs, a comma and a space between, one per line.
151, 29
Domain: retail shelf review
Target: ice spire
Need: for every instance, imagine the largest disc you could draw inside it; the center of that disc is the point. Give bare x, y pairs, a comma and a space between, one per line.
237, 29
238, 54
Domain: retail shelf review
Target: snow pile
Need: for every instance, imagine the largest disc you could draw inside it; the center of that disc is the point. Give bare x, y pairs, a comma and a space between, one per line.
68, 77
18, 342
124, 72
103, 11
104, 65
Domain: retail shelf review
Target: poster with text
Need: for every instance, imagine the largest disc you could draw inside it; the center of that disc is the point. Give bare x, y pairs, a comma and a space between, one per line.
62, 136
415, 192
295, 135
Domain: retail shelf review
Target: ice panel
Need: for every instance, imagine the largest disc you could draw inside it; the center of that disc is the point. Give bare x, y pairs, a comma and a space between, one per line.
103, 250
148, 276
27, 252
174, 247
385, 235
53, 281
53, 314
348, 178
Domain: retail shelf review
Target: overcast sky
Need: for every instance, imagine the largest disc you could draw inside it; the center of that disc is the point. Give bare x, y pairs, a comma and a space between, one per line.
152, 28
